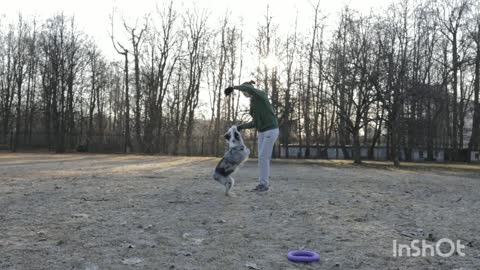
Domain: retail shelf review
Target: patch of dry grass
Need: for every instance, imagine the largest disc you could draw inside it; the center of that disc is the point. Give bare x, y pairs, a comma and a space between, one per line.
386, 164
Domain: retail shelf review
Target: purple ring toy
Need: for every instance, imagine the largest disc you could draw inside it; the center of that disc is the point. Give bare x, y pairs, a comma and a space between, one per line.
303, 256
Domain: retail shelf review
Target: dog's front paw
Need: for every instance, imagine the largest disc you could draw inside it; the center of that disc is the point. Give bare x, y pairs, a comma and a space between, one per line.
231, 194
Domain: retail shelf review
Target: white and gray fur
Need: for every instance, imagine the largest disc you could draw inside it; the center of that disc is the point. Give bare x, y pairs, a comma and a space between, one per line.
236, 155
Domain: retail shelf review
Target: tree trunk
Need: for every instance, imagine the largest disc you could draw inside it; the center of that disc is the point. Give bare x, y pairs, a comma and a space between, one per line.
454, 99
127, 145
138, 124
475, 137
18, 111
356, 147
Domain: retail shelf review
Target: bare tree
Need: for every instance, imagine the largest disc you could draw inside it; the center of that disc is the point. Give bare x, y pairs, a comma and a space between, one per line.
359, 90
7, 81
196, 37
286, 123
308, 90
451, 15
136, 39
158, 74
120, 49
21, 62
474, 143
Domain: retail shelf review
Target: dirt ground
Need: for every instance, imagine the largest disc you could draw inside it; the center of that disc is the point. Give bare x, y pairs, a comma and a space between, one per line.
154, 212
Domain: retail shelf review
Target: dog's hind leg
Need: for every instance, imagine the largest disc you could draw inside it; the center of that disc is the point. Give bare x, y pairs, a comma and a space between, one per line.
216, 177
228, 185
220, 178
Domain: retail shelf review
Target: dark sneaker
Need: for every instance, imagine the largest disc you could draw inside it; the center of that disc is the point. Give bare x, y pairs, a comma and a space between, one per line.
261, 188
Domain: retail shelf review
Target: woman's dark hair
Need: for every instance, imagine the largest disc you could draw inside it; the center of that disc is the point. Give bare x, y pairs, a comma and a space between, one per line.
251, 82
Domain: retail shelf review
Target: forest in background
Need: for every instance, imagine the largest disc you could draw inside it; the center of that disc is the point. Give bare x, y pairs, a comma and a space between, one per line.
406, 77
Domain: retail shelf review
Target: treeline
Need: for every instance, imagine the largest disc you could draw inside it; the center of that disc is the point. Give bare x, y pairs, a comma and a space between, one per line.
406, 77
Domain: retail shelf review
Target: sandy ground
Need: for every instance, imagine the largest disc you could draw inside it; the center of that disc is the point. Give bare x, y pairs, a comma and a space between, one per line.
152, 212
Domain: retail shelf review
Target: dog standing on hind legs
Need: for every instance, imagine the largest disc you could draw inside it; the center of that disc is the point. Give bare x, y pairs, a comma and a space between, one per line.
236, 155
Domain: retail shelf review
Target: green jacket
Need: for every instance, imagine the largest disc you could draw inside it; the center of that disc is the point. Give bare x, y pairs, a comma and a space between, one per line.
260, 109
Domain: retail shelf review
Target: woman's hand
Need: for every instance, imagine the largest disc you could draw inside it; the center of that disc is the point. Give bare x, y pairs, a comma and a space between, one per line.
228, 90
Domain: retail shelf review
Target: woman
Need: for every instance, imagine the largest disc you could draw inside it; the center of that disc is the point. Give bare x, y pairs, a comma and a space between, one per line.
265, 121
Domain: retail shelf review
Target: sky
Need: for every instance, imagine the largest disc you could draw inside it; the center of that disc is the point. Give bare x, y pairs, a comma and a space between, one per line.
93, 15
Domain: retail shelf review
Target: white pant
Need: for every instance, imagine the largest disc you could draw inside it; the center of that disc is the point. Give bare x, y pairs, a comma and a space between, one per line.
266, 140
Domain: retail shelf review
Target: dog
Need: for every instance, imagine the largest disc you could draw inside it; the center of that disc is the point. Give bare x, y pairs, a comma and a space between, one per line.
236, 155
